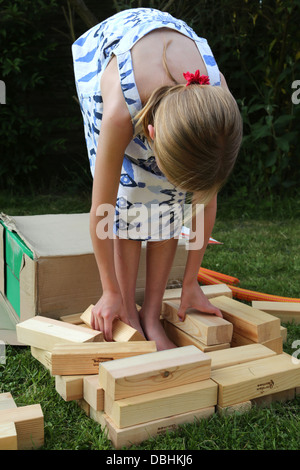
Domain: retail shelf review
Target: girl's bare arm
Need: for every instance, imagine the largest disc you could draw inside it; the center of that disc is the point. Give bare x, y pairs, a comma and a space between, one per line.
115, 135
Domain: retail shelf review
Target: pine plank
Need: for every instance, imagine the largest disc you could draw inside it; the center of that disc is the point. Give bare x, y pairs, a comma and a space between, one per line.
45, 333
6, 401
276, 344
209, 292
159, 370
283, 333
133, 435
8, 436
69, 387
253, 379
286, 311
98, 416
207, 328
215, 290
236, 408
84, 358
172, 294
73, 318
283, 396
93, 393
161, 404
44, 357
248, 321
84, 405
181, 338
123, 332
239, 355
120, 330
29, 422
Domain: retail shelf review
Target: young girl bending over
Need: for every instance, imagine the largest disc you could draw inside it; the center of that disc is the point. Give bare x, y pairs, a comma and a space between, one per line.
159, 123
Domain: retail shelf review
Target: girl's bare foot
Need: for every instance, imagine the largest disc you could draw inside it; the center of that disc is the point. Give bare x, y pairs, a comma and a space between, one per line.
154, 331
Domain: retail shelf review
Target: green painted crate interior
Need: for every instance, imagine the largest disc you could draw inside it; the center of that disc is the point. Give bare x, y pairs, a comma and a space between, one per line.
14, 248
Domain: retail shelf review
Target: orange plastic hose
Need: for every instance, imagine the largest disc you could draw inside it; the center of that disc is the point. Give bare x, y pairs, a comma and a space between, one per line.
206, 279
220, 276
244, 294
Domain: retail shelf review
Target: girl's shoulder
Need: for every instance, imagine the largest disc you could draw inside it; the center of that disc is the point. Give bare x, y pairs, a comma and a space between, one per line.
182, 54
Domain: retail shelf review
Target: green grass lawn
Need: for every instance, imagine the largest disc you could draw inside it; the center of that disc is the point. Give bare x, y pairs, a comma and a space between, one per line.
261, 248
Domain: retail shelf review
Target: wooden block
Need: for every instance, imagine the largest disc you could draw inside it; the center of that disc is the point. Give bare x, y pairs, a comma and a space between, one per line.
6, 401
286, 311
84, 406
239, 340
239, 355
276, 344
123, 332
285, 395
84, 358
283, 333
237, 408
172, 294
8, 436
161, 404
159, 370
120, 331
44, 357
181, 338
209, 292
248, 321
73, 318
93, 393
133, 435
98, 416
243, 382
29, 422
215, 290
207, 328
86, 316
45, 333
69, 387
263, 401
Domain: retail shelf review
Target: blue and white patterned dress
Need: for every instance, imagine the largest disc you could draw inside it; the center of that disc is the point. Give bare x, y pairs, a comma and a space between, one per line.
148, 206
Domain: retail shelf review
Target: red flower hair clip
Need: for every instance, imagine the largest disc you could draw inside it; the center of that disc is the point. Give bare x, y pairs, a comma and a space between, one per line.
196, 78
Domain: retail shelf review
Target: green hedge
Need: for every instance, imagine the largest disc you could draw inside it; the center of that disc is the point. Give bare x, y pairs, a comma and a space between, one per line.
254, 42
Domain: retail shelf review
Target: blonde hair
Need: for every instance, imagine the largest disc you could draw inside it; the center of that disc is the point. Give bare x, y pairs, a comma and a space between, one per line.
198, 132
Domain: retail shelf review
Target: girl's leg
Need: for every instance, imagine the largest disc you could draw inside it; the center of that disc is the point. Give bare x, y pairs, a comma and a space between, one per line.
160, 256
127, 257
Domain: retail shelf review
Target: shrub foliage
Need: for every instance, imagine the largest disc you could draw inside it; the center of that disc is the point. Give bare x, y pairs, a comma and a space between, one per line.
255, 44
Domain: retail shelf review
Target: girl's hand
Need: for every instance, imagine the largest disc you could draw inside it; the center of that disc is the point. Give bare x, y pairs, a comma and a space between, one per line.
192, 297
107, 309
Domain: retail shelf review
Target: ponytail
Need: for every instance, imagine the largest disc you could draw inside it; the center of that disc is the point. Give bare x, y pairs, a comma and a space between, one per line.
146, 115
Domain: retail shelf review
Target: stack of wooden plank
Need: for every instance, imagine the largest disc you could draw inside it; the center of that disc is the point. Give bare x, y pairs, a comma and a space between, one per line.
286, 311
253, 369
242, 324
148, 394
205, 331
253, 374
250, 325
21, 427
135, 391
69, 349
